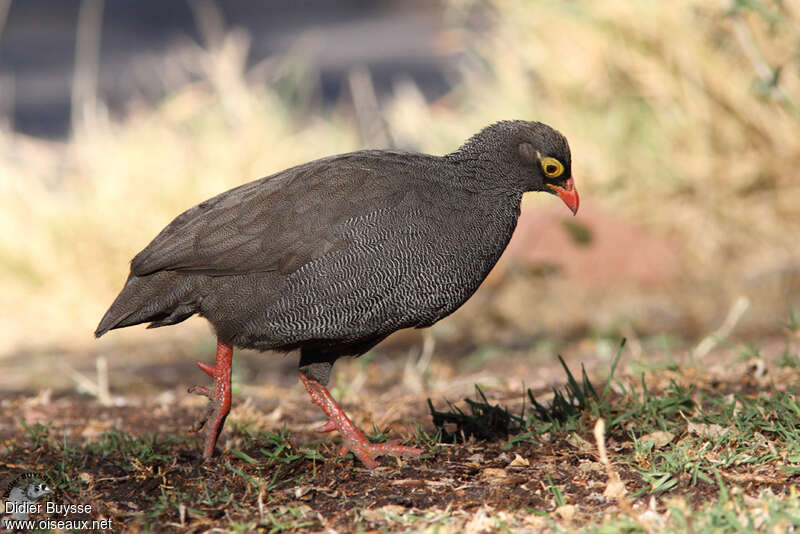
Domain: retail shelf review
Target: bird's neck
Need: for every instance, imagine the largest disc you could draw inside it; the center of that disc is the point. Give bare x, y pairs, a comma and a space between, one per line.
482, 172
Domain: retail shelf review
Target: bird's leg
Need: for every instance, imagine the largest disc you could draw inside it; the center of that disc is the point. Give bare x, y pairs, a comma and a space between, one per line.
354, 439
219, 399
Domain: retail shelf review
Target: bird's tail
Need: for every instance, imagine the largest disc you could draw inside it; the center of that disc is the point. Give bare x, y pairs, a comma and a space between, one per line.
161, 298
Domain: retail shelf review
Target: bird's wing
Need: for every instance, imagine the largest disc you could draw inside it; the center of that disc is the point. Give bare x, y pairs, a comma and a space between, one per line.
278, 223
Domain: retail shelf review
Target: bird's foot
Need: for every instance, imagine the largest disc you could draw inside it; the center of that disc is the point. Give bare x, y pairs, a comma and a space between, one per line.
354, 439
368, 452
219, 399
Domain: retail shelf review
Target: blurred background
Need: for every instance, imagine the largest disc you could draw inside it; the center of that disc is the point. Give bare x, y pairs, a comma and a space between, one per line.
683, 119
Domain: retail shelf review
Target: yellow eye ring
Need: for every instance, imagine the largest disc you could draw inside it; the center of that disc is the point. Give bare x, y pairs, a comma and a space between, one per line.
551, 167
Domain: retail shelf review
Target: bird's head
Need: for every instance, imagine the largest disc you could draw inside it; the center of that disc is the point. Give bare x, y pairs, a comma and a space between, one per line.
532, 155
36, 490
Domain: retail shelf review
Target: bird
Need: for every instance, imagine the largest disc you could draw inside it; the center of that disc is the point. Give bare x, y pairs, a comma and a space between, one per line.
332, 256
24, 493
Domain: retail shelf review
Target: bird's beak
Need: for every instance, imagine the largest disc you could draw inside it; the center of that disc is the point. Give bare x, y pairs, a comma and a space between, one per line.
568, 194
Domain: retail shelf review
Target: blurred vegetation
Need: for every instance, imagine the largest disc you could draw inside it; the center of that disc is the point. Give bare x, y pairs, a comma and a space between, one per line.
683, 116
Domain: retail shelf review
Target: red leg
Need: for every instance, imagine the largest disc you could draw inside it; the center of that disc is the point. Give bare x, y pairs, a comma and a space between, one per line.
354, 439
220, 398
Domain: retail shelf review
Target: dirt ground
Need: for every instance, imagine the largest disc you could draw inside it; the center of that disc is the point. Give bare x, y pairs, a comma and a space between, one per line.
136, 462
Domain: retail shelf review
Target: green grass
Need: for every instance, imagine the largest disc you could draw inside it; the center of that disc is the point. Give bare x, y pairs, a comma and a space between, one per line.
694, 447
710, 458
483, 421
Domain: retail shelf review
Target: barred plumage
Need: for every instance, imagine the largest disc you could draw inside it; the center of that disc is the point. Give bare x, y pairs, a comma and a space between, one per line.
334, 255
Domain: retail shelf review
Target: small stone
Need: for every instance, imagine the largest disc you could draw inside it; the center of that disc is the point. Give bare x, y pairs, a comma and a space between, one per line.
567, 512
581, 444
588, 466
615, 489
659, 438
706, 430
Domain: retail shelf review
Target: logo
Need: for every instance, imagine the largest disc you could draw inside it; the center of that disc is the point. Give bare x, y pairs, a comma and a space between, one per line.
23, 495
25, 507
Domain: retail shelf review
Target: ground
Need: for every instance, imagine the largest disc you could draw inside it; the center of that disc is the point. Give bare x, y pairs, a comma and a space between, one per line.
706, 446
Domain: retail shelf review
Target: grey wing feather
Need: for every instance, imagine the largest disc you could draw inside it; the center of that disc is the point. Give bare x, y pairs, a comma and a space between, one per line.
278, 223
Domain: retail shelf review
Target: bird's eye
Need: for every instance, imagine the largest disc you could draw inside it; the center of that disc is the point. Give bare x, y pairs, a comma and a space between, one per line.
552, 167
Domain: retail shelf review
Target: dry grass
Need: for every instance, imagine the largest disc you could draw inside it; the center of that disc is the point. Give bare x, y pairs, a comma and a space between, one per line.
670, 108
73, 215
674, 110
